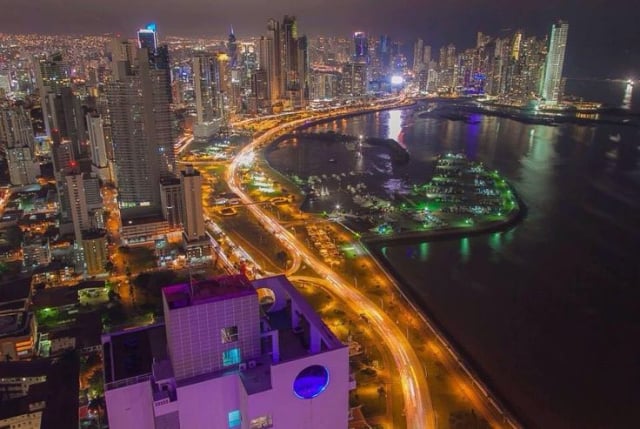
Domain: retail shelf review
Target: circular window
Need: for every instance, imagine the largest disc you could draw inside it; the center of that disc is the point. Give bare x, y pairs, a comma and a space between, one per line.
311, 382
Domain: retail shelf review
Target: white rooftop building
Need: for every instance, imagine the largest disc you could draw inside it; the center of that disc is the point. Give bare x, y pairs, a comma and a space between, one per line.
232, 354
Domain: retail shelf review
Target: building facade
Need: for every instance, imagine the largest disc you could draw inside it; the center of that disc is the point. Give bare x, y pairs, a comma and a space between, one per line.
218, 363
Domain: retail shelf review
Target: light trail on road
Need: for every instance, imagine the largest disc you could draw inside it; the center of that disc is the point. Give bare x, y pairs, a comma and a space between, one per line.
418, 407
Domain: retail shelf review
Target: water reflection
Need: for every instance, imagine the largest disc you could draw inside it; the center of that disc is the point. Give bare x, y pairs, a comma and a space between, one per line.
465, 250
626, 101
395, 125
424, 251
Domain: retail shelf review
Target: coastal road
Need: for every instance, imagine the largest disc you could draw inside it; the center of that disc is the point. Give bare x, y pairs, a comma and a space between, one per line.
418, 407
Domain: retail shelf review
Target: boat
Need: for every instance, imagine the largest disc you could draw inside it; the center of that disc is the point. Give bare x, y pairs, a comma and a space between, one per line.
615, 138
332, 160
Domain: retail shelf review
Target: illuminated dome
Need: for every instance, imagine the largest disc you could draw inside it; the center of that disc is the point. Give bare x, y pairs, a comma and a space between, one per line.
311, 382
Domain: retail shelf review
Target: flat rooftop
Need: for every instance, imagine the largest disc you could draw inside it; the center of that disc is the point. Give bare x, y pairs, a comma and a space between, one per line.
15, 324
209, 290
58, 394
131, 353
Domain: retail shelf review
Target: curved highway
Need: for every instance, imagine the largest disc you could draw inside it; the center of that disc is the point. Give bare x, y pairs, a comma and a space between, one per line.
418, 407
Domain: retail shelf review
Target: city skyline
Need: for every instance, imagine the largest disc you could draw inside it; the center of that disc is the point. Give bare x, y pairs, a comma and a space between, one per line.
397, 214
604, 32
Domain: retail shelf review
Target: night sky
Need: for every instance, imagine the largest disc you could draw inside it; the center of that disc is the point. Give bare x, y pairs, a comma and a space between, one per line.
604, 35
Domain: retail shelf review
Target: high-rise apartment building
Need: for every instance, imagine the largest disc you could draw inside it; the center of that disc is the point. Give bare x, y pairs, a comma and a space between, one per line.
61, 108
229, 355
98, 146
139, 98
384, 53
94, 249
85, 202
271, 57
203, 86
16, 129
193, 220
172, 203
17, 141
426, 56
418, 55
52, 74
555, 62
354, 79
360, 47
205, 95
23, 170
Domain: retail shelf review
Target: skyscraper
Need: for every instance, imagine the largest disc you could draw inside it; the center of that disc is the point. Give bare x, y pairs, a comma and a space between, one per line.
426, 56
271, 56
52, 74
139, 99
98, 145
303, 70
193, 219
148, 38
555, 62
361, 47
61, 108
232, 49
203, 86
15, 128
418, 55
85, 202
290, 54
384, 54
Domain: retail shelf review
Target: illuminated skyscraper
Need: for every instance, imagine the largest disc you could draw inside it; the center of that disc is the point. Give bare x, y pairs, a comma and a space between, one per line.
98, 146
61, 108
426, 56
303, 70
52, 74
418, 55
290, 54
148, 38
384, 53
139, 98
555, 62
203, 86
271, 59
15, 128
193, 219
232, 49
361, 47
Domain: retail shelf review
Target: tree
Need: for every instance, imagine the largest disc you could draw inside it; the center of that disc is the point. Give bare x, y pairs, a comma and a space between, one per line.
14, 236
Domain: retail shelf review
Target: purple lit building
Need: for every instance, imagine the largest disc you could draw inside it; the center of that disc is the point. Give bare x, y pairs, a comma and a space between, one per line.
231, 354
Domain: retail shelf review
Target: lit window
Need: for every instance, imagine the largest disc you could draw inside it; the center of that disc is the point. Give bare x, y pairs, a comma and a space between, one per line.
234, 419
229, 335
231, 357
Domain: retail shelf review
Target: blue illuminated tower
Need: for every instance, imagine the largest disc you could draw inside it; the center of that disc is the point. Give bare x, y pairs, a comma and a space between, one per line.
232, 49
148, 38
